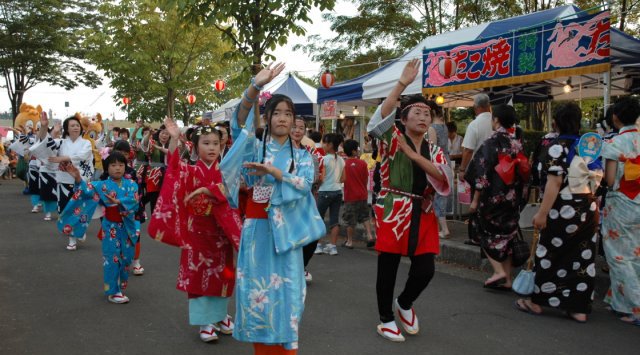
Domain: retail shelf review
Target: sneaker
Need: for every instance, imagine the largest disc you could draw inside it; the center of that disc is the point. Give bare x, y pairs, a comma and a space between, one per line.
225, 326
208, 333
390, 331
330, 249
47, 217
35, 209
408, 318
307, 276
118, 298
72, 247
319, 249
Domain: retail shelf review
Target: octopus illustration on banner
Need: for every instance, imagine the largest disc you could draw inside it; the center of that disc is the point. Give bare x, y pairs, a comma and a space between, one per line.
567, 46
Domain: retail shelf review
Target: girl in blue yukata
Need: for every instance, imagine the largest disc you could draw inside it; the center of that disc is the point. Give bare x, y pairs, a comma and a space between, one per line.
119, 197
280, 218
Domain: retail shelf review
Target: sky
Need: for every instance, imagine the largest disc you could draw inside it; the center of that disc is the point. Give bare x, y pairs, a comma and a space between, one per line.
100, 100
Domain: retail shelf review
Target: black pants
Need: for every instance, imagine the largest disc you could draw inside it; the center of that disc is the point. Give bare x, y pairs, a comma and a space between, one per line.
307, 252
150, 198
420, 274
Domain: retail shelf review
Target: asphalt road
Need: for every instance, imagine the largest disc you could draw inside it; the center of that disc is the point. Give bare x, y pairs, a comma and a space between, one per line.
51, 302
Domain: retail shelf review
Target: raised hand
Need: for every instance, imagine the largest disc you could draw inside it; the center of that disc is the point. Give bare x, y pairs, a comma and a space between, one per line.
57, 129
269, 73
410, 72
172, 128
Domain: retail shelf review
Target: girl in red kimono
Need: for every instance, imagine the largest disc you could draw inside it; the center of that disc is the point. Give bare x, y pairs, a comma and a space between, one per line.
192, 212
412, 171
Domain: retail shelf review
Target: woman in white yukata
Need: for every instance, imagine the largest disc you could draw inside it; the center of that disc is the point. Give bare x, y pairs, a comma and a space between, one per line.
280, 218
71, 149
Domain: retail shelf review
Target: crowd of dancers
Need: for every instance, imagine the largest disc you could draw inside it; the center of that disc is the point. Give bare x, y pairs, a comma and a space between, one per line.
260, 188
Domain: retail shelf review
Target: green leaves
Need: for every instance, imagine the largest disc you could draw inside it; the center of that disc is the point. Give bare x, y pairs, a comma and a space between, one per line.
40, 41
156, 57
257, 25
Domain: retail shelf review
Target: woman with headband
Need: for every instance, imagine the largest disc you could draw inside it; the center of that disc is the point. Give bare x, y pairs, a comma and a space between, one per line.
412, 171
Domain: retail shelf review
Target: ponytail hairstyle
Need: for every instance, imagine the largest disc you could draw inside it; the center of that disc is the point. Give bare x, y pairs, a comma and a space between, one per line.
269, 108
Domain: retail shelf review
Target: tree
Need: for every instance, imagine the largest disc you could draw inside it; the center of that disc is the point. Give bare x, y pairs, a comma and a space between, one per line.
41, 42
253, 26
156, 59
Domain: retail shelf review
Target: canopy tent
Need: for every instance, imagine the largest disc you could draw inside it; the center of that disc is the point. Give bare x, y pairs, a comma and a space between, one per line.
303, 95
624, 58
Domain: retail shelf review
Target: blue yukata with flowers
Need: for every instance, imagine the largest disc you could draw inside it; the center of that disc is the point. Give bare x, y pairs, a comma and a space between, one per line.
281, 217
120, 227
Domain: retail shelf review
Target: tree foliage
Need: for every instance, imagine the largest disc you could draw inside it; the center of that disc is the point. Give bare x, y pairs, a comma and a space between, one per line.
156, 59
41, 42
255, 27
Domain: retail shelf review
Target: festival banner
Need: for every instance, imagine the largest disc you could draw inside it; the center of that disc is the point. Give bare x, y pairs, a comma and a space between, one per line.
570, 47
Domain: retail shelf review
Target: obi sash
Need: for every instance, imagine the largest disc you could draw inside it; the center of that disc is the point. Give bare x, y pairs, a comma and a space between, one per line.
507, 164
112, 214
256, 209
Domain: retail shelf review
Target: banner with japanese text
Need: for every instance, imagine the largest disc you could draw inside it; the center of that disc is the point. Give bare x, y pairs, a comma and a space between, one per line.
569, 47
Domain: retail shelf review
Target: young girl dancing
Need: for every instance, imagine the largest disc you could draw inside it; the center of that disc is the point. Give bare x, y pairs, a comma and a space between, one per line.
192, 212
119, 196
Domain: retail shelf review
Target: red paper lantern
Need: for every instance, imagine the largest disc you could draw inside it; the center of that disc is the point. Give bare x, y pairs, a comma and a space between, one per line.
447, 67
327, 79
191, 99
126, 100
220, 85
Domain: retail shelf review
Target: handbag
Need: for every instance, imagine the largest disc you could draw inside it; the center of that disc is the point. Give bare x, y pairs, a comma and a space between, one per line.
525, 281
520, 250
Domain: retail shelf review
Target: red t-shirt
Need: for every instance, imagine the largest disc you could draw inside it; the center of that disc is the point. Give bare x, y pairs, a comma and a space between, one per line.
356, 175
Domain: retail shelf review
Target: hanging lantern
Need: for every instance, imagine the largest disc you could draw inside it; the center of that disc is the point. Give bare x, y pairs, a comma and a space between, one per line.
191, 99
440, 99
220, 85
126, 100
327, 79
447, 67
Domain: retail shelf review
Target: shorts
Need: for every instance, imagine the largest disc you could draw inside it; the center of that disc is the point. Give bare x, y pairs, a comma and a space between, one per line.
330, 200
355, 212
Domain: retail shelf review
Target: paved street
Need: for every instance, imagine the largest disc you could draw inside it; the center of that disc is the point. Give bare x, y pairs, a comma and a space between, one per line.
51, 302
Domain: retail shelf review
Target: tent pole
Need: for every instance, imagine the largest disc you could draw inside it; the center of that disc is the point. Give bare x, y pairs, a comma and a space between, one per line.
607, 88
549, 127
318, 119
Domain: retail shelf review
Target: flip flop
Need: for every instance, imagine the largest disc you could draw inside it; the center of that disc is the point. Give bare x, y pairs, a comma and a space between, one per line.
573, 318
524, 308
632, 321
495, 283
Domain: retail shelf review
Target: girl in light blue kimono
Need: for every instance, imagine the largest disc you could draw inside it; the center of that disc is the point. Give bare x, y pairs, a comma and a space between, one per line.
119, 197
621, 213
280, 217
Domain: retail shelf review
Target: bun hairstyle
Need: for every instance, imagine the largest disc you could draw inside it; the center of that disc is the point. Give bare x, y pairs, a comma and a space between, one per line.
269, 108
65, 126
203, 131
505, 114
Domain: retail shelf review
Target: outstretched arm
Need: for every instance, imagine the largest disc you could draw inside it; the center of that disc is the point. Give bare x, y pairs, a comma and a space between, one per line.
251, 94
406, 78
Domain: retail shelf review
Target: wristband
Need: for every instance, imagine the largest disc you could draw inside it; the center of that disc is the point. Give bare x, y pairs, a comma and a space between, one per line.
403, 84
255, 86
246, 97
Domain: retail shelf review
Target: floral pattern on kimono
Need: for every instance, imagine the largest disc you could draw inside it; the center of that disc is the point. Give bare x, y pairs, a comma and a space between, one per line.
207, 229
402, 224
621, 224
499, 204
118, 245
270, 285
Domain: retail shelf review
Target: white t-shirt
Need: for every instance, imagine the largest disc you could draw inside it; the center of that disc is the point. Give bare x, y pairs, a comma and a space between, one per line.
332, 171
478, 131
